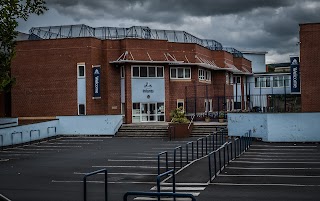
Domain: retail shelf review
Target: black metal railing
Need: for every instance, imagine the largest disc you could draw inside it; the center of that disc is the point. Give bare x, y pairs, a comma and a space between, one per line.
38, 131
187, 151
1, 141
227, 152
174, 157
51, 127
167, 163
105, 183
14, 134
173, 181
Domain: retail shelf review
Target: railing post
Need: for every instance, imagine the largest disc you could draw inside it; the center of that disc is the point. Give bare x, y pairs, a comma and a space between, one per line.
167, 166
215, 165
206, 144
105, 183
174, 157
210, 175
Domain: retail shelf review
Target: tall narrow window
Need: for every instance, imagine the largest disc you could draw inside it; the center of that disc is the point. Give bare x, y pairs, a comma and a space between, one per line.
81, 71
122, 71
81, 109
180, 103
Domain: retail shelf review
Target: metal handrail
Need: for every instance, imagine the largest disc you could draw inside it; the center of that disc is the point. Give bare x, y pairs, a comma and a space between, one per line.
1, 141
55, 130
16, 133
31, 134
167, 164
173, 181
174, 157
192, 117
105, 183
187, 151
156, 194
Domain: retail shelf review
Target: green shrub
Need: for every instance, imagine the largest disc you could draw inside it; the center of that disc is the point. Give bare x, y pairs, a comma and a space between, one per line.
178, 116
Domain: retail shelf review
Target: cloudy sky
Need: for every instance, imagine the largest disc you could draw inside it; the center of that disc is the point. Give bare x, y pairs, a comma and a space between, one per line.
253, 25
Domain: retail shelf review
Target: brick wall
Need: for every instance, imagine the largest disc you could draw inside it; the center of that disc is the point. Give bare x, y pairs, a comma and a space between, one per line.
309, 67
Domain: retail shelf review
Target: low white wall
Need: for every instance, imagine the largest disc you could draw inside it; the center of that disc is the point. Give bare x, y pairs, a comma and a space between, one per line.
89, 125
277, 127
8, 122
21, 134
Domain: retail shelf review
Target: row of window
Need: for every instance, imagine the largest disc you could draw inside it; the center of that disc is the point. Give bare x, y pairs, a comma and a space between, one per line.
278, 81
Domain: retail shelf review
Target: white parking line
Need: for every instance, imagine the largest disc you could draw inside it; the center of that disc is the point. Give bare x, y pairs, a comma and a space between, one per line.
276, 159
164, 199
268, 168
284, 149
67, 143
102, 182
161, 160
81, 140
121, 173
124, 166
189, 188
185, 184
289, 146
288, 185
259, 175
4, 160
44, 146
275, 162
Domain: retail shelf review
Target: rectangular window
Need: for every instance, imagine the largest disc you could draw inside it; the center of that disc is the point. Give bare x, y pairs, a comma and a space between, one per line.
276, 81
281, 81
236, 80
180, 103
81, 109
122, 71
208, 105
159, 71
180, 73
262, 82
173, 73
135, 72
143, 72
287, 80
81, 71
123, 108
152, 71
204, 75
257, 82
267, 81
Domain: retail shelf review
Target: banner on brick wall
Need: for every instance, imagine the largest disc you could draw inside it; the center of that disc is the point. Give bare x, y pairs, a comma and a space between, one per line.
295, 74
96, 81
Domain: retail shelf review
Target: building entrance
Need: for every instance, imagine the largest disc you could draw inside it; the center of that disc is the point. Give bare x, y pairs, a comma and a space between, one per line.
147, 112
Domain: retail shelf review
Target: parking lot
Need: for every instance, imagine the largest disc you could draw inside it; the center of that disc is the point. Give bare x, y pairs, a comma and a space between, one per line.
54, 170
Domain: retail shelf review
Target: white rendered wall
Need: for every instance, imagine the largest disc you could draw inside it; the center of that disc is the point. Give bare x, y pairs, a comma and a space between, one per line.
276, 127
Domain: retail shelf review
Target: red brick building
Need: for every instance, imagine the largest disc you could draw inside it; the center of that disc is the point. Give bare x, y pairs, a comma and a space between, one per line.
310, 66
134, 72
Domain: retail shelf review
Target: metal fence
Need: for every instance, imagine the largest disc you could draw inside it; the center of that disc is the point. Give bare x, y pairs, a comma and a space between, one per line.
215, 101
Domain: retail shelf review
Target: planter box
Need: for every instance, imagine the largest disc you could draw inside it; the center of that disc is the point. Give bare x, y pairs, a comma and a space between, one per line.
179, 130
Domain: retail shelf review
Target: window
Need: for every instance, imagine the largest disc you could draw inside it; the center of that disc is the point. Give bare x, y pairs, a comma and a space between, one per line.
81, 109
152, 72
208, 105
180, 103
159, 71
143, 72
262, 82
204, 75
236, 80
281, 81
147, 71
122, 71
180, 73
135, 72
123, 108
81, 71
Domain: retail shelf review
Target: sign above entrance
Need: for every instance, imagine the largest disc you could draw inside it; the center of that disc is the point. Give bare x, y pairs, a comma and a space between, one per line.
147, 90
96, 81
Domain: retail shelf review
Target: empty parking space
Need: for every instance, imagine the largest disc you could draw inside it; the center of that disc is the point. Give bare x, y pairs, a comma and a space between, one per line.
279, 171
54, 169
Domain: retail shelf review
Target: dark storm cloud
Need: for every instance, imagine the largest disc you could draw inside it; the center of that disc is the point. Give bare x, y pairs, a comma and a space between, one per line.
264, 25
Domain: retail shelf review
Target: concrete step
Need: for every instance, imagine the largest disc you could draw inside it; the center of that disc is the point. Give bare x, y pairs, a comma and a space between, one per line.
143, 131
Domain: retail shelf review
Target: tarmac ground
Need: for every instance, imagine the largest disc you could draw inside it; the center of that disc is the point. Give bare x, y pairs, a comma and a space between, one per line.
54, 170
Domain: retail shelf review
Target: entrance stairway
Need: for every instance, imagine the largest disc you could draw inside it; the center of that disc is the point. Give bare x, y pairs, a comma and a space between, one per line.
202, 130
143, 130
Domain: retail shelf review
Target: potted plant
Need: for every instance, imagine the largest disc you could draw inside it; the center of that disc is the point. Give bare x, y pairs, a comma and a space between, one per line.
207, 119
221, 116
179, 125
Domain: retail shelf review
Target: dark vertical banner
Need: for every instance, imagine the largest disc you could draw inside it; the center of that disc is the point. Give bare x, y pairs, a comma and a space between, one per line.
96, 81
295, 74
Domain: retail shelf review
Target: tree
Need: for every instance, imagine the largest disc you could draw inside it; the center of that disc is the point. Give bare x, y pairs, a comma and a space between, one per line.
10, 12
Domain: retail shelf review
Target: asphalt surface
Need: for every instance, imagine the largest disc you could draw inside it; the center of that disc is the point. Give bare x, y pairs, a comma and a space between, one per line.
54, 170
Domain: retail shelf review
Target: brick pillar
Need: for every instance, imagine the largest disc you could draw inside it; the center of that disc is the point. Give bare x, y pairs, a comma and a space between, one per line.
168, 107
128, 94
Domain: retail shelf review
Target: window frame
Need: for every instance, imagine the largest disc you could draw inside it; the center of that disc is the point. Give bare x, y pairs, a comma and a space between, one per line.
204, 75
180, 101
176, 74
157, 70
78, 70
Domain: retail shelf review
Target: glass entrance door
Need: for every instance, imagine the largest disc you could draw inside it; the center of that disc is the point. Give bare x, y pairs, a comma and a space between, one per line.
148, 112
